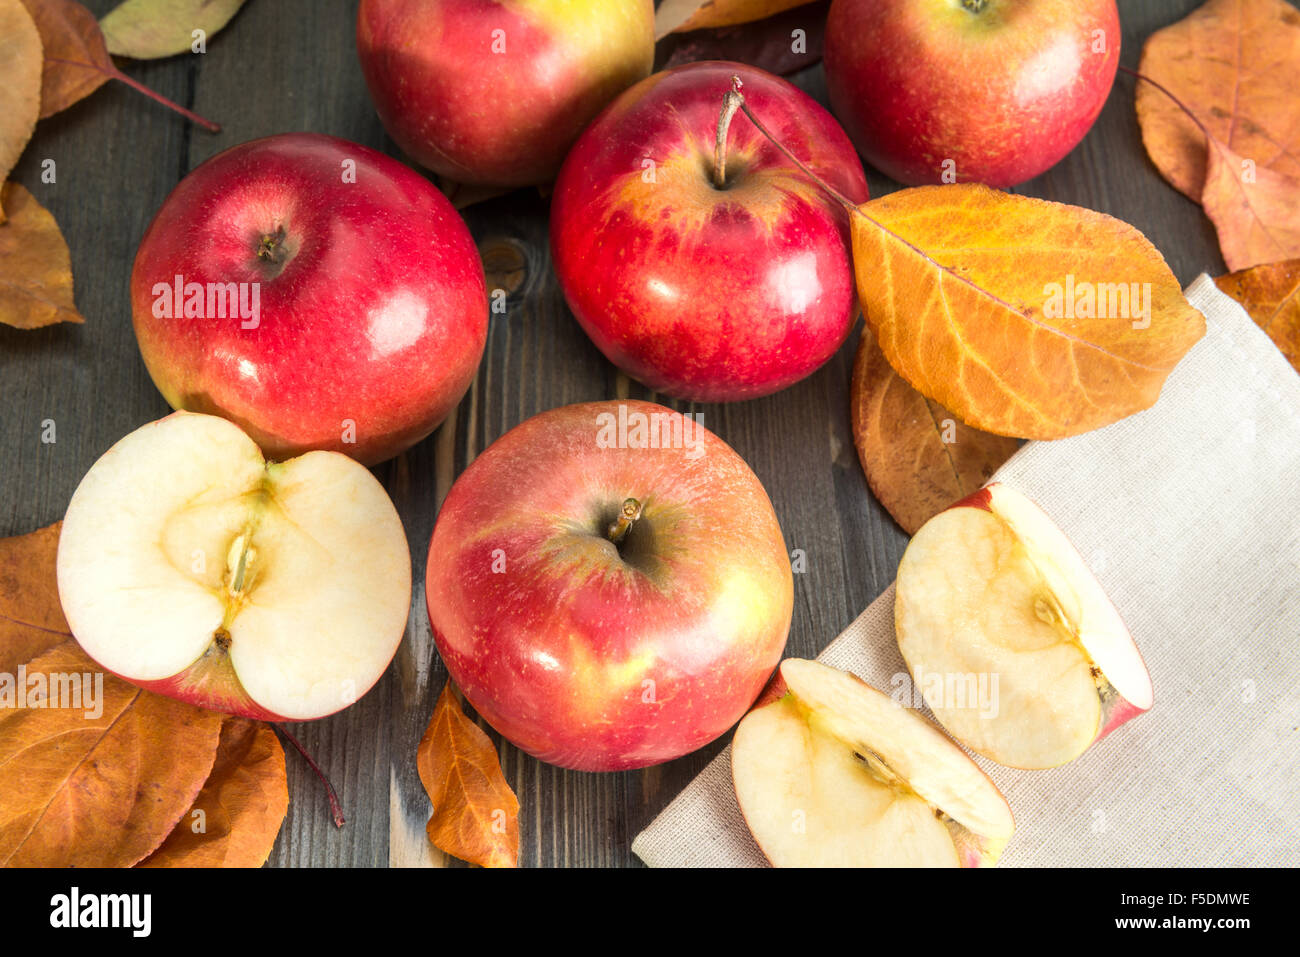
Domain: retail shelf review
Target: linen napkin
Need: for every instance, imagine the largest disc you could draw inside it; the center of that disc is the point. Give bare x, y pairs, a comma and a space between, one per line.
1189, 515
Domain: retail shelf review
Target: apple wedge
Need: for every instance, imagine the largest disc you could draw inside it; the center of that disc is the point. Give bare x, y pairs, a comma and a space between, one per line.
837, 774
192, 567
991, 594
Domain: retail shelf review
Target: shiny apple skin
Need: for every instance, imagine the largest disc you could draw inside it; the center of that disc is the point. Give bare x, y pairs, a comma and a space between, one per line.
707, 294
499, 118
1004, 93
379, 316
556, 649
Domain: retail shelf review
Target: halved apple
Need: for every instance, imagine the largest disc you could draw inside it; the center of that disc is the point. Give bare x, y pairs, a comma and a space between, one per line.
192, 567
992, 595
837, 774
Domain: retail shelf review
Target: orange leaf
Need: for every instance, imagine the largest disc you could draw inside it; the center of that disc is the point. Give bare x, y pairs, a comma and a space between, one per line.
237, 815
96, 774
1255, 210
35, 268
918, 457
1271, 294
76, 60
20, 93
31, 620
1024, 317
1236, 65
678, 16
475, 814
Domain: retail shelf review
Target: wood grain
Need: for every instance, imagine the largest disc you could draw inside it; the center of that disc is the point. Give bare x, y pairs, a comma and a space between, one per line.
289, 65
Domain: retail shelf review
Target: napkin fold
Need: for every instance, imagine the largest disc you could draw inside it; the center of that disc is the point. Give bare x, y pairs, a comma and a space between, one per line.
1189, 515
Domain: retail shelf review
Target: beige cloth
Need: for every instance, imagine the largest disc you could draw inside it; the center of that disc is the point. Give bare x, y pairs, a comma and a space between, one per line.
1189, 514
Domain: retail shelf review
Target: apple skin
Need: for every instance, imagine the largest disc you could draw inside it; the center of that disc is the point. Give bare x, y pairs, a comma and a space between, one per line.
376, 313
707, 294
552, 635
499, 118
1004, 92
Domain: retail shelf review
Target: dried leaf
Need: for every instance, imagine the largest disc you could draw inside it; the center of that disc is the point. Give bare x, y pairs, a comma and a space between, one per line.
919, 458
475, 814
1255, 210
1016, 313
31, 619
87, 790
76, 62
1271, 294
463, 195
20, 91
771, 44
149, 29
236, 817
35, 268
1235, 64
678, 16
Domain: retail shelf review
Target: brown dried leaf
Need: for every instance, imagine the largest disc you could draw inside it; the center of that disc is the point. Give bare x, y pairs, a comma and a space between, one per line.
1255, 210
236, 817
31, 619
35, 268
86, 791
679, 16
767, 44
1271, 294
900, 435
475, 814
1236, 65
76, 61
148, 29
20, 83
966, 290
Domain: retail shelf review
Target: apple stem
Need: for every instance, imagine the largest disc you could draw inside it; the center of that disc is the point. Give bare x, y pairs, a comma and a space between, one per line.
336, 809
730, 103
159, 98
630, 512
744, 108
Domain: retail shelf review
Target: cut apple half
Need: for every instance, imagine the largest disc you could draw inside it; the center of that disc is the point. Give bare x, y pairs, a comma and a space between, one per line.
1009, 637
837, 774
191, 566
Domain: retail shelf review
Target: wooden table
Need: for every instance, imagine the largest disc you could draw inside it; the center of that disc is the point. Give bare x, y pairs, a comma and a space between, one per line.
291, 65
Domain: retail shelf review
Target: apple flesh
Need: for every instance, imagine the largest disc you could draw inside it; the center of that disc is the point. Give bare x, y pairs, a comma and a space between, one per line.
992, 589
496, 92
699, 291
592, 647
329, 297
989, 91
836, 774
192, 567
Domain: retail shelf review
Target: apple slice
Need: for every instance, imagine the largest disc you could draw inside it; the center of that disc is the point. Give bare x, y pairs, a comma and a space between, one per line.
192, 567
992, 595
837, 774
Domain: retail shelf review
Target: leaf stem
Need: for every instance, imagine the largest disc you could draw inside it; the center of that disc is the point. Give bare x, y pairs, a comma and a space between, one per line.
336, 809
159, 98
744, 107
1177, 102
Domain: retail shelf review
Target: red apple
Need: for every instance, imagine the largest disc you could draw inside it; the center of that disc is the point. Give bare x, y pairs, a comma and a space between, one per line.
608, 585
318, 293
496, 91
702, 291
989, 91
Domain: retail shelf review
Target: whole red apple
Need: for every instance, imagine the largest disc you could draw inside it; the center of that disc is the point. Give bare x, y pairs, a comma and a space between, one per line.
989, 91
496, 91
705, 291
316, 292
608, 585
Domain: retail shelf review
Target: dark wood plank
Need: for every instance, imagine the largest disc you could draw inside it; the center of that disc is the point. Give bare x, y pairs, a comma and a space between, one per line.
291, 65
